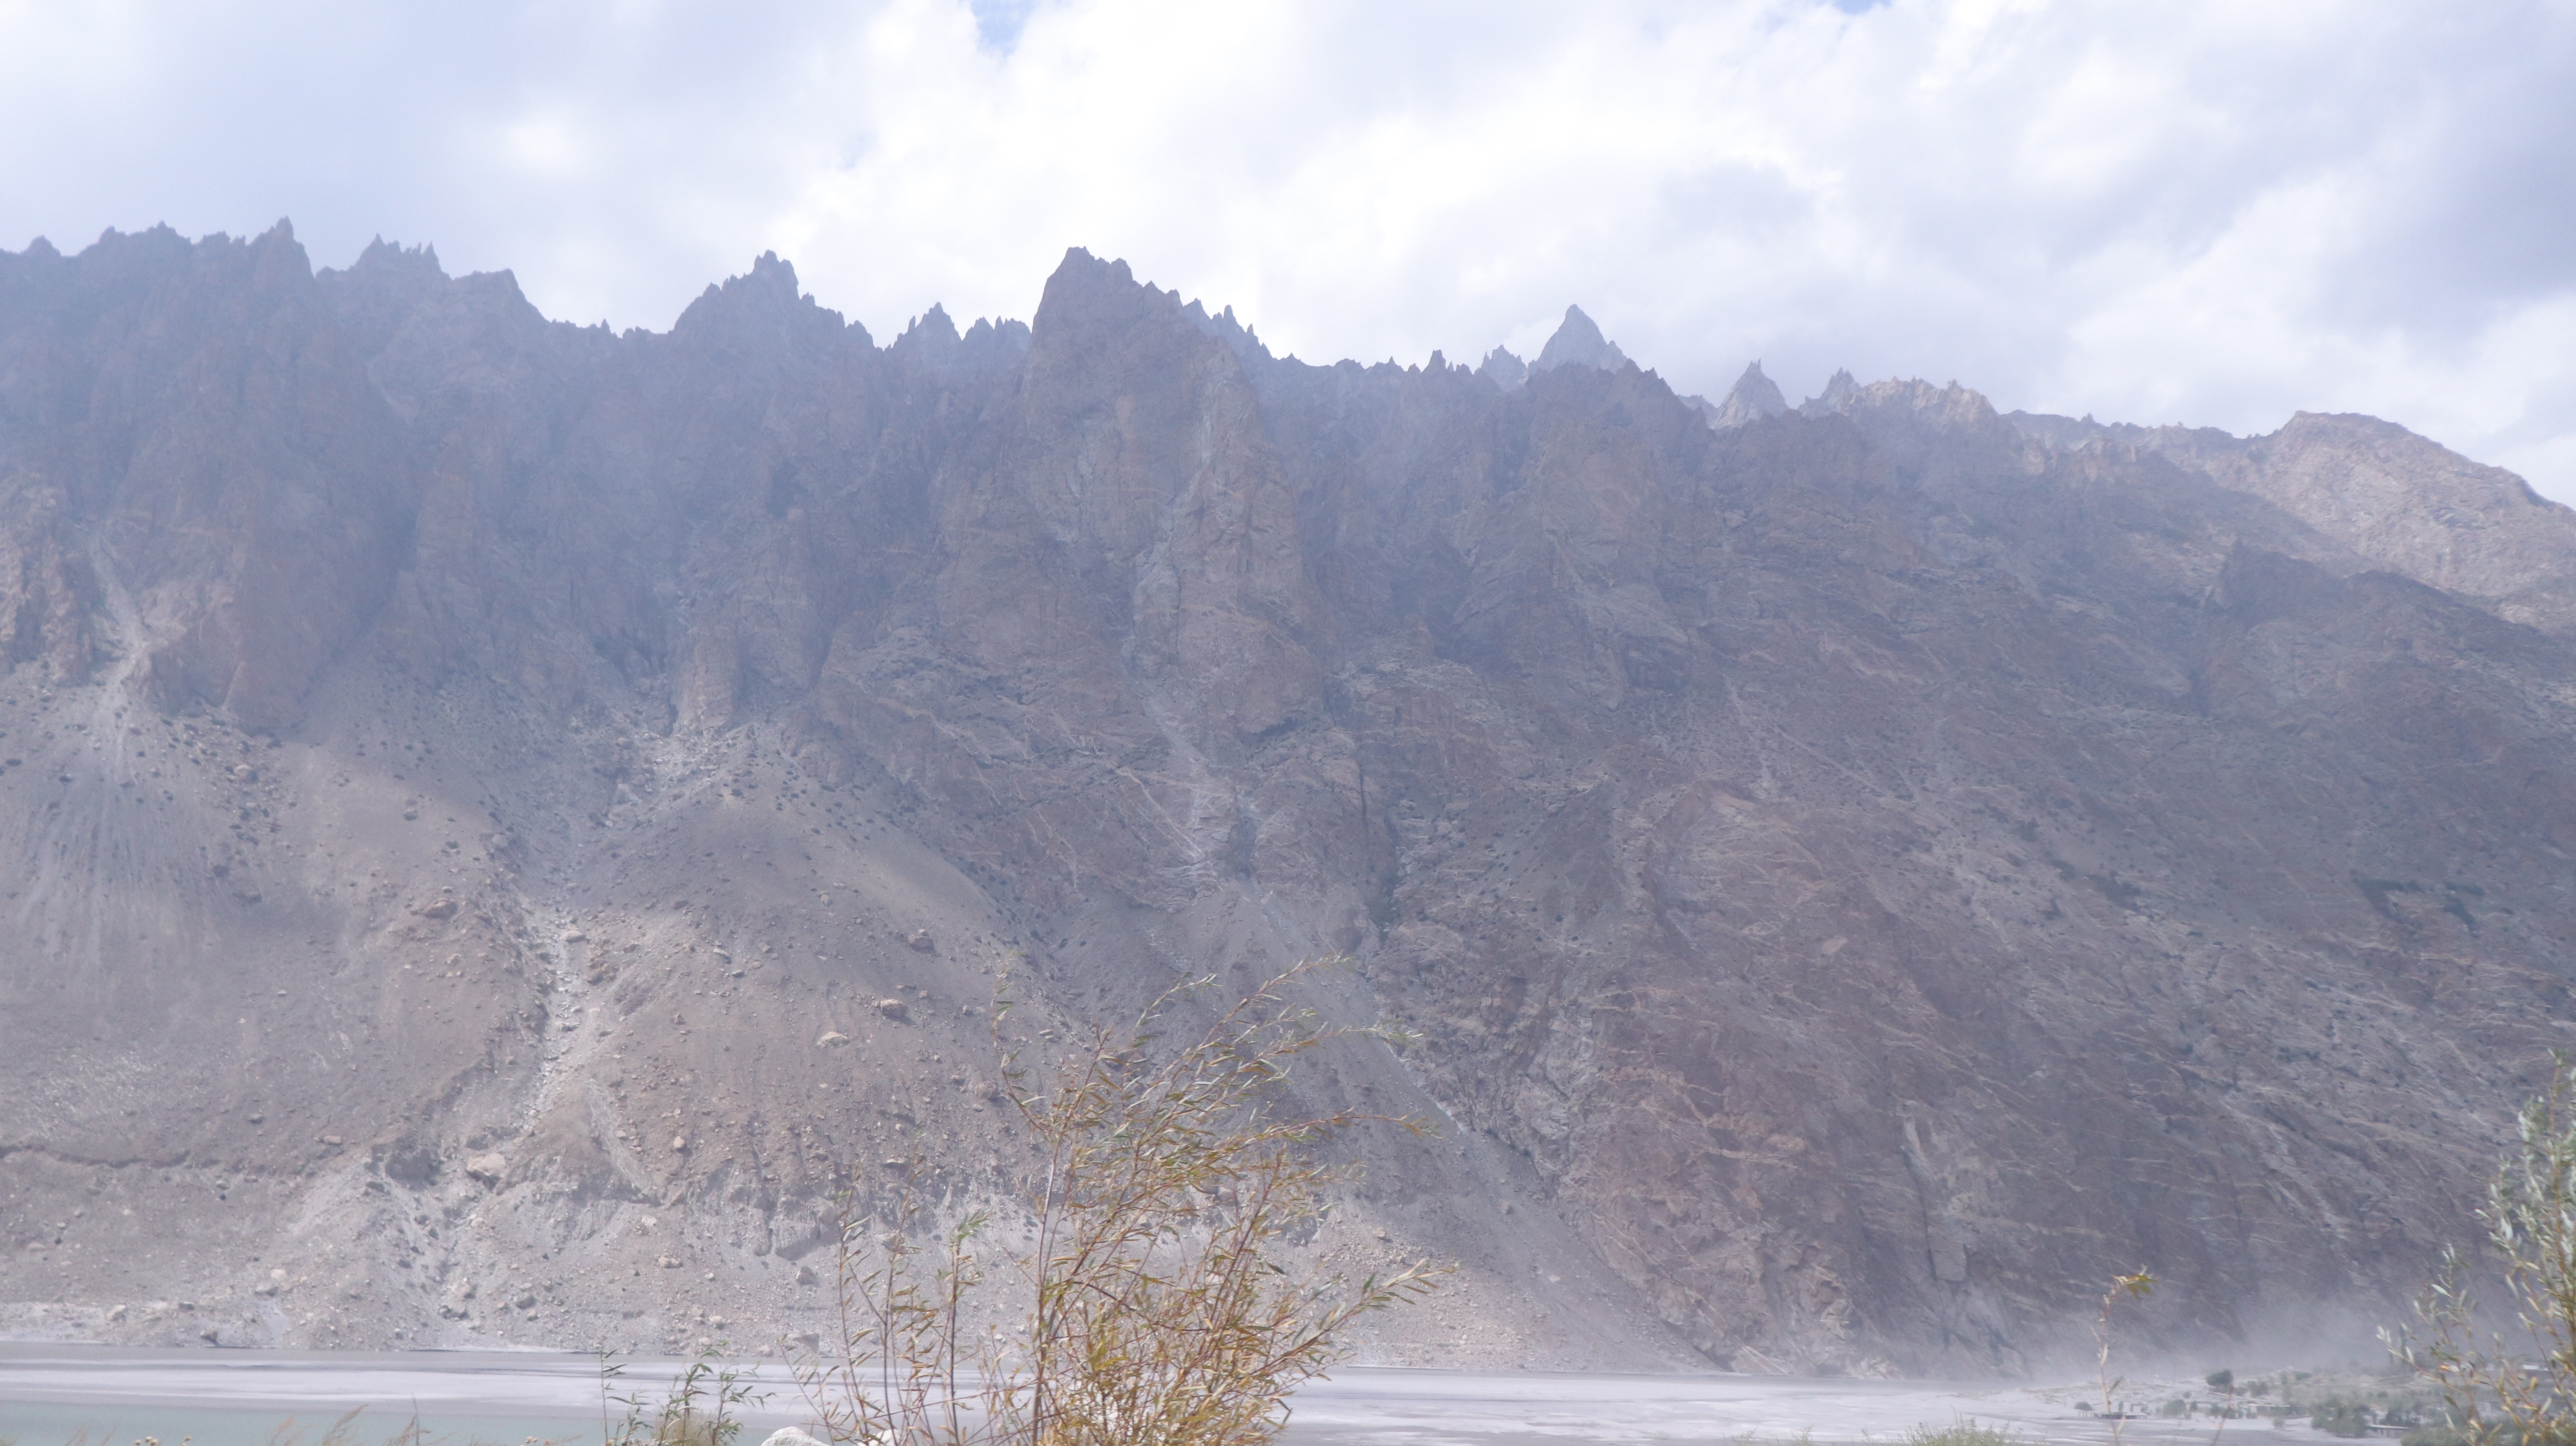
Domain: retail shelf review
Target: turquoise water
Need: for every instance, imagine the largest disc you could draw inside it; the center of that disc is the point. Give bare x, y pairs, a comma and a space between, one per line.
30, 1423
61, 1395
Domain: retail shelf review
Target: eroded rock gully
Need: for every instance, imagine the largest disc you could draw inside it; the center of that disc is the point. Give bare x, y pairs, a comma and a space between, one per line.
503, 820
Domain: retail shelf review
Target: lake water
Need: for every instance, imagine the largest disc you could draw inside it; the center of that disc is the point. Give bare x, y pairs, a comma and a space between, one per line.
57, 1395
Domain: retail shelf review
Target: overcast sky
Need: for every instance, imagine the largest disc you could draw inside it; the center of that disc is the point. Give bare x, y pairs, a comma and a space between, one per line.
2215, 213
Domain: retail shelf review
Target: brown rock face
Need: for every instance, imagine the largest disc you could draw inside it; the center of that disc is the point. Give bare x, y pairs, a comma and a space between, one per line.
508, 821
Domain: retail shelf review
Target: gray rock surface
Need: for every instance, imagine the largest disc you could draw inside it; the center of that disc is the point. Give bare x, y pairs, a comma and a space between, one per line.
1862, 875
2385, 495
1753, 397
1578, 342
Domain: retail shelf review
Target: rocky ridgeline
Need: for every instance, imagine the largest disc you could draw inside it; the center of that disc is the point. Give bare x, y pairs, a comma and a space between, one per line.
502, 822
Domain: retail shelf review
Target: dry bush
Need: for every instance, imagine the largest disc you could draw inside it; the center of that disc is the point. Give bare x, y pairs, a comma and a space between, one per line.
1156, 1305
905, 1367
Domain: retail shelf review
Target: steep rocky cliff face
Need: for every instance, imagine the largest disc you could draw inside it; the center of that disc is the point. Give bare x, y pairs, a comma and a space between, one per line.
501, 822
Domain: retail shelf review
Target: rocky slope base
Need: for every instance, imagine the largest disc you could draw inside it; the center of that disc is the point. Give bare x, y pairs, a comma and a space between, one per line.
501, 823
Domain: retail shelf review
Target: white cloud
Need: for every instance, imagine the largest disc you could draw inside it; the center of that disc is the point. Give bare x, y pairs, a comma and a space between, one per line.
2204, 211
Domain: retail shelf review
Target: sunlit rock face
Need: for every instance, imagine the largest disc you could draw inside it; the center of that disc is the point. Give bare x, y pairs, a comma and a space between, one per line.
506, 822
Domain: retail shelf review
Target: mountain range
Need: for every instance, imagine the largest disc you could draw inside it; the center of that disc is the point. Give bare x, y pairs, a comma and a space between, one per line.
503, 824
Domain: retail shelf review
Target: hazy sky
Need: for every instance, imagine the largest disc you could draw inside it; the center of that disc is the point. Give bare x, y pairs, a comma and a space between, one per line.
2215, 213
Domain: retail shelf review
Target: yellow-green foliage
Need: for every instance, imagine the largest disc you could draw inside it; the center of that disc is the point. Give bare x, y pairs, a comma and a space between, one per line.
699, 1410
1158, 1306
2521, 1394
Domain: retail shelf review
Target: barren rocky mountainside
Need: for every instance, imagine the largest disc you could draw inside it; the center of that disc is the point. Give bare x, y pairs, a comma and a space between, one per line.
500, 821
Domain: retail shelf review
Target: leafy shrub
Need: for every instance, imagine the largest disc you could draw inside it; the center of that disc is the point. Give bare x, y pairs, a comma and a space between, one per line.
2496, 1395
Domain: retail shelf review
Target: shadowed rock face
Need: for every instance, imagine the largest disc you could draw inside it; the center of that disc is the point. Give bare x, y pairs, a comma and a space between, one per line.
509, 812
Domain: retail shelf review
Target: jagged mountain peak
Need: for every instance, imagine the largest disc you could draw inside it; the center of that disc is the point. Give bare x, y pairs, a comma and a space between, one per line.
1578, 342
1239, 336
989, 337
1841, 394
1087, 295
383, 256
1951, 405
2389, 498
1503, 369
933, 343
930, 329
770, 284
1754, 396
767, 298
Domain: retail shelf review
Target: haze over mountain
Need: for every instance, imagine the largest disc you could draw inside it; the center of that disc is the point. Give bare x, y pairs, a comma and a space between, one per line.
503, 820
